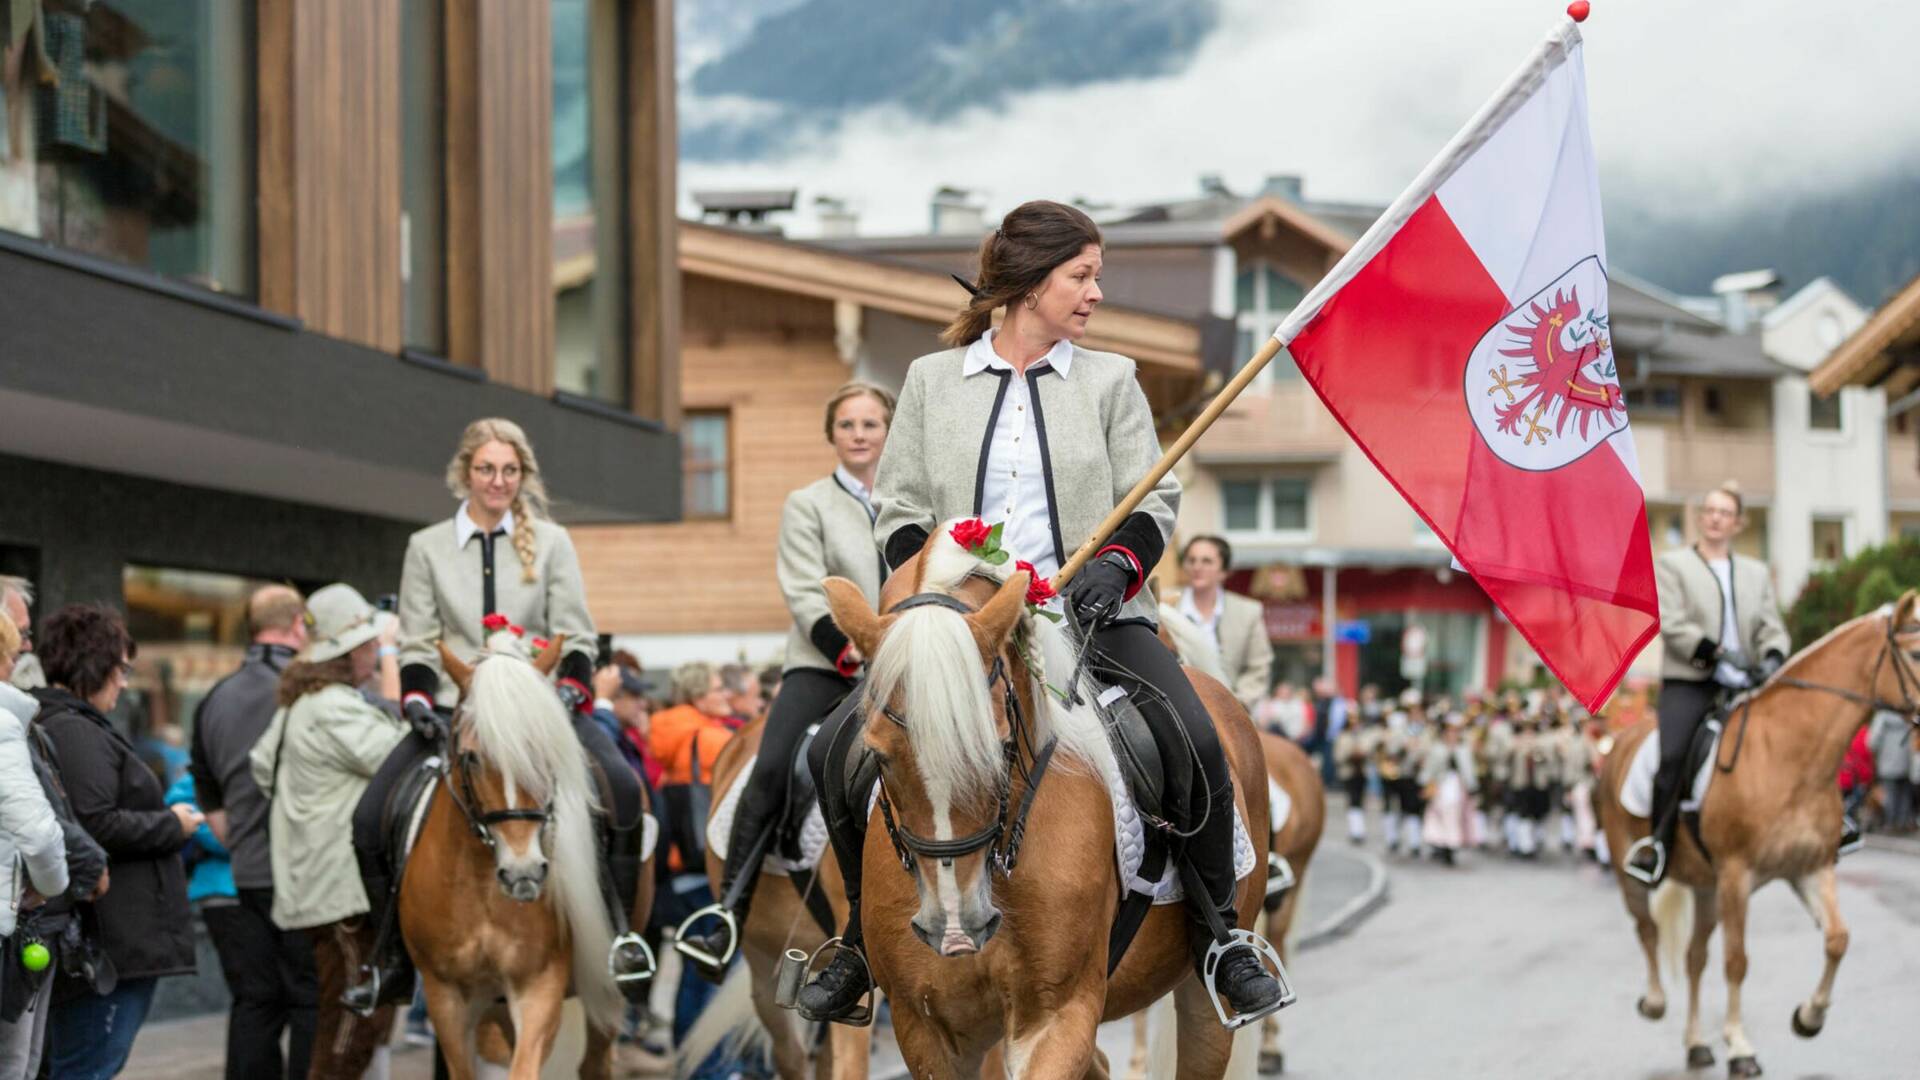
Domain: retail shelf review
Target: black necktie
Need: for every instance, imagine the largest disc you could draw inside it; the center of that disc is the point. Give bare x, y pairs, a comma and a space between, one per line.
486, 571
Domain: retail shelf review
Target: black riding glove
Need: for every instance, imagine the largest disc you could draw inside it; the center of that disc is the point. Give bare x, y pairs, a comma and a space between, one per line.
1097, 591
1768, 664
424, 718
571, 696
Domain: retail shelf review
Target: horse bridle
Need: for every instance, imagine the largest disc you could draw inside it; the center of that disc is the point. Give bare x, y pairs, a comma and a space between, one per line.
1908, 708
459, 770
1001, 837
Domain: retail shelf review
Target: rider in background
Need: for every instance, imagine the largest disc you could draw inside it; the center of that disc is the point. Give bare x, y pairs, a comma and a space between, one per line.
826, 530
1722, 632
498, 554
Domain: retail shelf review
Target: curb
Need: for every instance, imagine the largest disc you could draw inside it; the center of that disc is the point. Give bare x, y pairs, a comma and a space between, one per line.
1355, 912
1902, 845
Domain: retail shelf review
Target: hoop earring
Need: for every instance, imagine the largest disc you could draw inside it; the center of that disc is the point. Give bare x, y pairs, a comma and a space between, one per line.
1030, 302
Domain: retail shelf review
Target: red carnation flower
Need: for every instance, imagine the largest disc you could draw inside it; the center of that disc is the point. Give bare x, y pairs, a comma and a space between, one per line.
971, 534
518, 631
1039, 589
540, 644
493, 622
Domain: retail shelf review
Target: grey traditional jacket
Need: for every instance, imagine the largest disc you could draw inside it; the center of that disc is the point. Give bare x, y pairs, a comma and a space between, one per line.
442, 589
1245, 651
1690, 614
1096, 441
824, 532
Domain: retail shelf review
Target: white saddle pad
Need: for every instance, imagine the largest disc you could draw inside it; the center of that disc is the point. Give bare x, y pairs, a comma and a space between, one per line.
1130, 841
1636, 791
1279, 804
813, 834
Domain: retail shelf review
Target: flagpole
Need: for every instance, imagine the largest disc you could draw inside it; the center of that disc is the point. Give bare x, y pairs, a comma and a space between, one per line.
1167, 461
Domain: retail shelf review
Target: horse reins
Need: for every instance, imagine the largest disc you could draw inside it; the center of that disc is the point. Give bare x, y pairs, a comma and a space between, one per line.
1908, 709
1000, 838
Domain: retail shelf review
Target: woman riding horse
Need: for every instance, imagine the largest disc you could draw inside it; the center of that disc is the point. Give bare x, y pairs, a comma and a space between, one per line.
1722, 632
1024, 427
826, 530
453, 580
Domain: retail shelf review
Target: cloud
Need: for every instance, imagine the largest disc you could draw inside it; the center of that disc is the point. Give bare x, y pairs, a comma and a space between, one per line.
1713, 103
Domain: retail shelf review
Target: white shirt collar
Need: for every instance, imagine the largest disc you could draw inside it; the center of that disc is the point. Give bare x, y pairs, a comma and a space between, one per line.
981, 357
851, 483
1192, 611
464, 528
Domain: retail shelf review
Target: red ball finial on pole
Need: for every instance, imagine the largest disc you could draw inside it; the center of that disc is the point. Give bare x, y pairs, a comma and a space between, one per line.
1579, 10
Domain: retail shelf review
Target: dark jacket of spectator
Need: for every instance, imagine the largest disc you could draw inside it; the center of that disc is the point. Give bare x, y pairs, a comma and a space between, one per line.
225, 727
119, 802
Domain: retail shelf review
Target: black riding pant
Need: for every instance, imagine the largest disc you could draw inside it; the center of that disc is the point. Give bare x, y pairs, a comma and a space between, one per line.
807, 696
1683, 704
1131, 655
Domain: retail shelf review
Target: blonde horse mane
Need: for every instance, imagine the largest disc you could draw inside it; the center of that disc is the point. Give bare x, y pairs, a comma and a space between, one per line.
518, 726
929, 663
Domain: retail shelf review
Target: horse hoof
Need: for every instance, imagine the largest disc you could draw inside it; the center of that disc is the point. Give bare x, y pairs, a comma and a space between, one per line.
1272, 1063
1803, 1030
1699, 1057
1651, 1012
1744, 1066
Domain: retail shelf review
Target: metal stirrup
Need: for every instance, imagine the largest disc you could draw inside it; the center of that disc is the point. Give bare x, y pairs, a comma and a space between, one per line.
685, 944
1210, 971
1645, 877
861, 1015
626, 941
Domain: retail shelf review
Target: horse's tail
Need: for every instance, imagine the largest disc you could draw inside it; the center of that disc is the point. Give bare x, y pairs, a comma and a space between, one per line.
1673, 913
729, 1024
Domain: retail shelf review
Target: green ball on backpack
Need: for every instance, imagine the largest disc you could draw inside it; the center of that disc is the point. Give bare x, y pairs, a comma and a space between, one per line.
35, 957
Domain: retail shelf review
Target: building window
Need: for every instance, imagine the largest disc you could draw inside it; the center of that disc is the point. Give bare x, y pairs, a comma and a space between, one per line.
1657, 399
131, 136
589, 204
1273, 505
1262, 299
423, 216
1829, 541
706, 464
192, 630
1823, 413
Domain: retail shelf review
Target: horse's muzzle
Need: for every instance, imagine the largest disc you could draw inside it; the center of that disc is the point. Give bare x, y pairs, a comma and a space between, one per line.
958, 941
523, 886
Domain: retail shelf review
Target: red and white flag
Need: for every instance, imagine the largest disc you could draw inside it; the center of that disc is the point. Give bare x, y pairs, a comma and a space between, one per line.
1463, 343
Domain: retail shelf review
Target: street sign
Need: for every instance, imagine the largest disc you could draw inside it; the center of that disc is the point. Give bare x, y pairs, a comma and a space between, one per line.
1353, 631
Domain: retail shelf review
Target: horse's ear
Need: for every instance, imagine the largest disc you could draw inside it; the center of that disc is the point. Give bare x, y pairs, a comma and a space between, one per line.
549, 657
1903, 610
853, 615
996, 619
458, 670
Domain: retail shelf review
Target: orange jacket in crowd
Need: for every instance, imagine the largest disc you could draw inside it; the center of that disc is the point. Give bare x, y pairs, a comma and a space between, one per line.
672, 739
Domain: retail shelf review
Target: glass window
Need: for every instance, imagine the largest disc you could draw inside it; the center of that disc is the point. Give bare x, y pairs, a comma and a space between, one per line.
423, 158
1823, 413
588, 201
705, 456
1243, 296
135, 140
191, 627
1241, 502
1290, 503
1262, 298
1829, 540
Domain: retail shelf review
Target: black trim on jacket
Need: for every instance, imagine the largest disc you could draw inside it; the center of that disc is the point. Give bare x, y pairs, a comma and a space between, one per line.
986, 441
1046, 459
1140, 534
419, 679
827, 638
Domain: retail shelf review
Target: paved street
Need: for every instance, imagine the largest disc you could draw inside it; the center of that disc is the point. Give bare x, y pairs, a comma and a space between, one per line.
1499, 969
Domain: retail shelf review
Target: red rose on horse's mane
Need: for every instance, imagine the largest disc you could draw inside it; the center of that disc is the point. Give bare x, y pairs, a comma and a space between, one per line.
518, 631
540, 644
970, 534
1039, 589
495, 621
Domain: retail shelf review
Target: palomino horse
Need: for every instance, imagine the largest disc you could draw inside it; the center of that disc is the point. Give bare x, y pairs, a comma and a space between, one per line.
1289, 767
1013, 916
779, 921
1771, 812
502, 895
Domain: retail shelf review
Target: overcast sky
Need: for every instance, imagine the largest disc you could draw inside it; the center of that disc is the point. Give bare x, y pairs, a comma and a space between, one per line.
1705, 102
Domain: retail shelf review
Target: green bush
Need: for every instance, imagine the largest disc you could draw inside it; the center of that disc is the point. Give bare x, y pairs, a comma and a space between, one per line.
1876, 576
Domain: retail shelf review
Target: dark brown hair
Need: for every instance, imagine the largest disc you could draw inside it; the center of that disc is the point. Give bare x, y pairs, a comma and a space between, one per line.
303, 677
1015, 259
82, 644
1220, 547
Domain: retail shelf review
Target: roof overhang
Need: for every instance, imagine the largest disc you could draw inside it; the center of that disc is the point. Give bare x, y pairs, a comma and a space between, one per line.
1874, 352
1281, 213
1164, 343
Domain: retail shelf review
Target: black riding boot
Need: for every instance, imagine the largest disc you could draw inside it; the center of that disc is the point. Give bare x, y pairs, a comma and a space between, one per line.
629, 958
836, 991
713, 949
1242, 979
387, 976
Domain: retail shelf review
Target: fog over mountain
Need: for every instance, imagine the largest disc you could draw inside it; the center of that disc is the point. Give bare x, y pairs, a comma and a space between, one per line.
1730, 135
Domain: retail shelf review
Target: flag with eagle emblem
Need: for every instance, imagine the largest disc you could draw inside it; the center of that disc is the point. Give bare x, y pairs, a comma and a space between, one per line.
1463, 344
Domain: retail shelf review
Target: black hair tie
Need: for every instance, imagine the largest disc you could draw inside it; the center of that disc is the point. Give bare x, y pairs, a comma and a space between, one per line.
967, 285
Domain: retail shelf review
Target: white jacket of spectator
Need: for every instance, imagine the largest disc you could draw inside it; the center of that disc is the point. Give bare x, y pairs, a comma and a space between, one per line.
31, 848
1891, 739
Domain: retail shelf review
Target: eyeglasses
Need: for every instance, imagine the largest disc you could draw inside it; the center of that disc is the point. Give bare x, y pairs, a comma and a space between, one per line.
505, 472
1718, 511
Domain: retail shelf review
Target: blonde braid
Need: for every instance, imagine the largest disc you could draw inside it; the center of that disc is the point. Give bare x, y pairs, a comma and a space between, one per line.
523, 539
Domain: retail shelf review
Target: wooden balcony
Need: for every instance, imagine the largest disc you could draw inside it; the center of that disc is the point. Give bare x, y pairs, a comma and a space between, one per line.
1903, 470
1282, 424
1680, 464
